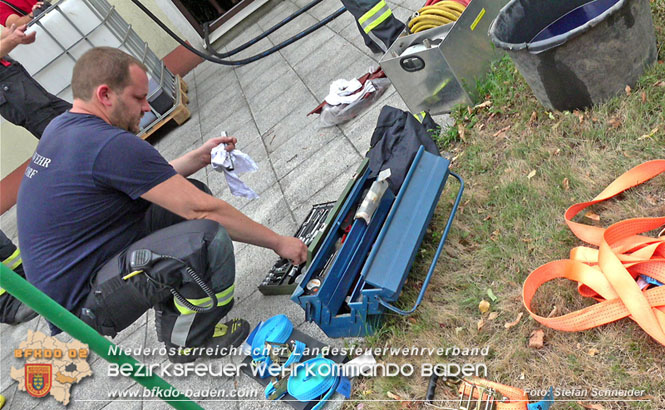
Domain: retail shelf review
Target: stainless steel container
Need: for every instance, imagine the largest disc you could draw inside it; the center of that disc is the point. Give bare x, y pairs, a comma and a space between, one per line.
436, 69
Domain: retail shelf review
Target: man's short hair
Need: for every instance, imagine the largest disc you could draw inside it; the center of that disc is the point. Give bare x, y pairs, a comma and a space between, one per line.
102, 65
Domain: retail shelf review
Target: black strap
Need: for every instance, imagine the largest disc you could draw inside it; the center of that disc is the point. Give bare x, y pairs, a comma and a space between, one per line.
15, 8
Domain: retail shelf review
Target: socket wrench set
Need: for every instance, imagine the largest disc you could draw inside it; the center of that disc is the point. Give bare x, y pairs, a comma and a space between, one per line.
283, 276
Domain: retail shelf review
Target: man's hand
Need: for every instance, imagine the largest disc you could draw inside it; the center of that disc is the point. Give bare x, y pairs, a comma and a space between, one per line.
13, 36
293, 249
206, 148
35, 7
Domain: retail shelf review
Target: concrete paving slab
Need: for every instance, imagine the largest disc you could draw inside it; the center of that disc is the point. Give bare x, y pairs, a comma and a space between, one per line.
328, 193
301, 146
289, 126
318, 171
298, 98
267, 80
301, 49
249, 255
273, 90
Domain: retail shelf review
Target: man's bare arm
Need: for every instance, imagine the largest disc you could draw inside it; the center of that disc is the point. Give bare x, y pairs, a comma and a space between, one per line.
182, 198
194, 160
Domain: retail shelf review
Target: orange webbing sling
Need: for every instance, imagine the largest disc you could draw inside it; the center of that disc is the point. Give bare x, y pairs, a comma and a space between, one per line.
608, 274
516, 398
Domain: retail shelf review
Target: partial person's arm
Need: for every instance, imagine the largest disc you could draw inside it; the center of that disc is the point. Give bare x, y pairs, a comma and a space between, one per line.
181, 197
194, 160
13, 36
17, 20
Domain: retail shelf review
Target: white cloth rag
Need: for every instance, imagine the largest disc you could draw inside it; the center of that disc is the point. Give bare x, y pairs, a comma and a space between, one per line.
242, 163
341, 91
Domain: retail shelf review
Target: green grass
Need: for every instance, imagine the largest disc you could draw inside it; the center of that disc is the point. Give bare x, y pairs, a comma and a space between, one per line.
509, 224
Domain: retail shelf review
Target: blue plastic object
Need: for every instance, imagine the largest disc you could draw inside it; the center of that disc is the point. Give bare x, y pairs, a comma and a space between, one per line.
574, 19
367, 274
545, 403
316, 380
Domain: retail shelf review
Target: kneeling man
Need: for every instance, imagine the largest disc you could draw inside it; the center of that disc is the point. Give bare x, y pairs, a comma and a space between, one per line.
108, 228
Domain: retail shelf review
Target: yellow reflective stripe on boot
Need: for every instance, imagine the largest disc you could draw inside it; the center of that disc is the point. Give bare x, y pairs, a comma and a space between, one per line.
2, 291
377, 15
420, 116
223, 298
14, 260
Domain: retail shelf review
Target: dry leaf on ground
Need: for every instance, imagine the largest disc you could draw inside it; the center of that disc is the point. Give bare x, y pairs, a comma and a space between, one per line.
628, 90
484, 104
649, 135
493, 315
553, 312
484, 306
644, 96
592, 216
480, 323
565, 184
508, 325
614, 123
502, 131
393, 396
531, 174
591, 406
592, 352
460, 131
659, 83
534, 117
536, 339
579, 115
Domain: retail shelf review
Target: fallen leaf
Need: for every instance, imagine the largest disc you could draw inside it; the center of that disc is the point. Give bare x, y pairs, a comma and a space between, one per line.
649, 135
644, 96
659, 83
553, 312
493, 315
565, 184
480, 323
484, 306
393, 396
579, 115
501, 131
460, 131
533, 118
594, 119
557, 151
508, 325
412, 320
592, 216
592, 352
628, 90
491, 295
536, 339
614, 123
531, 174
590, 406
484, 104
468, 109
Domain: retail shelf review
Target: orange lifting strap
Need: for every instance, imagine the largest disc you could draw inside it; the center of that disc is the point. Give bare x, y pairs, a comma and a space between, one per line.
608, 274
515, 399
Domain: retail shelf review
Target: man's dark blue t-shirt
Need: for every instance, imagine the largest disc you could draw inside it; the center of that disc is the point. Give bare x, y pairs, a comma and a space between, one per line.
79, 202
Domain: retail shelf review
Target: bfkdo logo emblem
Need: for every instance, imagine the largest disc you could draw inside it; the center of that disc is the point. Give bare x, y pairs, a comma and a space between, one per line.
38, 379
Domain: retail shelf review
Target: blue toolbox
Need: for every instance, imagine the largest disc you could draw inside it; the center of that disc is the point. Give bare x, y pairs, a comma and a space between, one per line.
362, 263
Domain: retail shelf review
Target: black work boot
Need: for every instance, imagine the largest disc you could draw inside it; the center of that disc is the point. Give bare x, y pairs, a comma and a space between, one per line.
226, 335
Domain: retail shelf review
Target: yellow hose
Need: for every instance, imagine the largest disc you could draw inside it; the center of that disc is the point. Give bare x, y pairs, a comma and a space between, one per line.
436, 15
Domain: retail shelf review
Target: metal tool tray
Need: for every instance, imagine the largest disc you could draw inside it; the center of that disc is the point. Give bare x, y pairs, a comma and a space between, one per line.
367, 274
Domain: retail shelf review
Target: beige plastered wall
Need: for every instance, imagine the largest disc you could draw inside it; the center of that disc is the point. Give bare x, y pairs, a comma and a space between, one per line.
17, 145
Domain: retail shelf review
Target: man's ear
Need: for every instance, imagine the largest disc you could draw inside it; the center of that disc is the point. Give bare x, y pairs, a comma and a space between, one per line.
103, 93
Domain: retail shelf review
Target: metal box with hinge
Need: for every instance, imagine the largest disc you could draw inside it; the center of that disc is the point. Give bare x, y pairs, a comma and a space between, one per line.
360, 268
437, 69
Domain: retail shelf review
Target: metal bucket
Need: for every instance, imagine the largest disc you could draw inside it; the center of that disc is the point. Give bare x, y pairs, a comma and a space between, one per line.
577, 53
